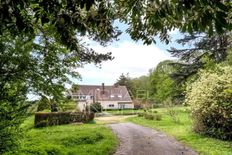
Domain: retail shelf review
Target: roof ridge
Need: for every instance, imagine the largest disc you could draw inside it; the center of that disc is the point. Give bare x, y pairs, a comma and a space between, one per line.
101, 85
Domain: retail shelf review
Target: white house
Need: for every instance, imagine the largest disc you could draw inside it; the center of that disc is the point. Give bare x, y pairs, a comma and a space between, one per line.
110, 97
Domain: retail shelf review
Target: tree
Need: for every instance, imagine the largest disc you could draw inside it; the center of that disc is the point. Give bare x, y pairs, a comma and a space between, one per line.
142, 88
163, 86
126, 81
43, 104
41, 45
201, 50
66, 18
147, 19
141, 83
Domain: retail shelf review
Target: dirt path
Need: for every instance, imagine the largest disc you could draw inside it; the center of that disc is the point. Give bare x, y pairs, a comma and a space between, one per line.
138, 140
111, 119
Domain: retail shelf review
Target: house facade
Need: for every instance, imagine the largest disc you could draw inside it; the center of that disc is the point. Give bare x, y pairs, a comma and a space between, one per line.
110, 97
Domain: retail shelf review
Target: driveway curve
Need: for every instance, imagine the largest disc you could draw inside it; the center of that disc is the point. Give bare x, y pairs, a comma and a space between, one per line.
139, 140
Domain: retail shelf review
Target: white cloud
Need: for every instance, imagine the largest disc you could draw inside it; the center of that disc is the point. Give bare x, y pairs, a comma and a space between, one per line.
130, 57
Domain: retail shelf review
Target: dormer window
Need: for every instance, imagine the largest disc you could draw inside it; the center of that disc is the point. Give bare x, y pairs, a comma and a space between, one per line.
120, 96
112, 96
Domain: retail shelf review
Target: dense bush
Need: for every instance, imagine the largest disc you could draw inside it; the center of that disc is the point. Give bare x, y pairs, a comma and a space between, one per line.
140, 114
95, 107
12, 115
211, 100
58, 118
156, 117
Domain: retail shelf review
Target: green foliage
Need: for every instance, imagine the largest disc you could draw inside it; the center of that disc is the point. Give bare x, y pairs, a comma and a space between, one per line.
95, 107
13, 88
210, 98
86, 139
201, 52
40, 49
43, 104
140, 84
182, 131
40, 52
151, 18
140, 114
126, 81
149, 116
66, 18
69, 105
43, 119
162, 85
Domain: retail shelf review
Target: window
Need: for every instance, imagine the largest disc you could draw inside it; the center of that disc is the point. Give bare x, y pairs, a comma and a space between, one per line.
111, 105
74, 97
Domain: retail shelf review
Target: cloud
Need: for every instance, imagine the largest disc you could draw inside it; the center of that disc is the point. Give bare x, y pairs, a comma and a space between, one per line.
129, 57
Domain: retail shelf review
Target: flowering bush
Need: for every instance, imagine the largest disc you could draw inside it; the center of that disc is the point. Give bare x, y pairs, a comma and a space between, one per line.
210, 98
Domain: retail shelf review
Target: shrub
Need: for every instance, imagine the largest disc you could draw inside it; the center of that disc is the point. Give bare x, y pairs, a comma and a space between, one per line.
58, 118
156, 117
210, 98
96, 107
149, 117
12, 114
140, 114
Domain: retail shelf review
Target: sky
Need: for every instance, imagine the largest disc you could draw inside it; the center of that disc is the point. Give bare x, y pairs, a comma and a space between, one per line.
129, 57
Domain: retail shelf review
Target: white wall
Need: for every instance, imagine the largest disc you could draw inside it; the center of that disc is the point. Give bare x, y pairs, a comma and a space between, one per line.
105, 104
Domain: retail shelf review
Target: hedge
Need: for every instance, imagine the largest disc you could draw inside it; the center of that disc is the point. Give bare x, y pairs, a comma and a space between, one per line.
149, 116
43, 119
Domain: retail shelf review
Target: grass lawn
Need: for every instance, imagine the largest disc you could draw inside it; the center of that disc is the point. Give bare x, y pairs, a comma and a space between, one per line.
182, 131
86, 139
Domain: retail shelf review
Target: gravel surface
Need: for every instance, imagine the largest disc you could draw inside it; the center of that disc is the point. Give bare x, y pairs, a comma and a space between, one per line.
139, 140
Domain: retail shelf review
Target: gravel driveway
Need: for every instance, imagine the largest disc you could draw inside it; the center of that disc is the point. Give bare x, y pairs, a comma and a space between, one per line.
138, 140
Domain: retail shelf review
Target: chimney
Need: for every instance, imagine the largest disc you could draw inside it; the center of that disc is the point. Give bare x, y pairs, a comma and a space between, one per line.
103, 88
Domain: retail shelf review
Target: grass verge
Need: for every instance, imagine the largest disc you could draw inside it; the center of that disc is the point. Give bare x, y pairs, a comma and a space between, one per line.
72, 139
182, 131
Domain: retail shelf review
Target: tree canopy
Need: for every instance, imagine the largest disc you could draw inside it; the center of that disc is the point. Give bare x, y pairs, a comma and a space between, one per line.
163, 87
149, 18
201, 50
125, 80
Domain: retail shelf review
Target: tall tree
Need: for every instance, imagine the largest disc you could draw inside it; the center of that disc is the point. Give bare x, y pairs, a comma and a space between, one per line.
163, 87
141, 83
201, 49
41, 46
125, 80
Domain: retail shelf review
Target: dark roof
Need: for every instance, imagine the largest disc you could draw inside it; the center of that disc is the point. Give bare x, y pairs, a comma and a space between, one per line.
110, 93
